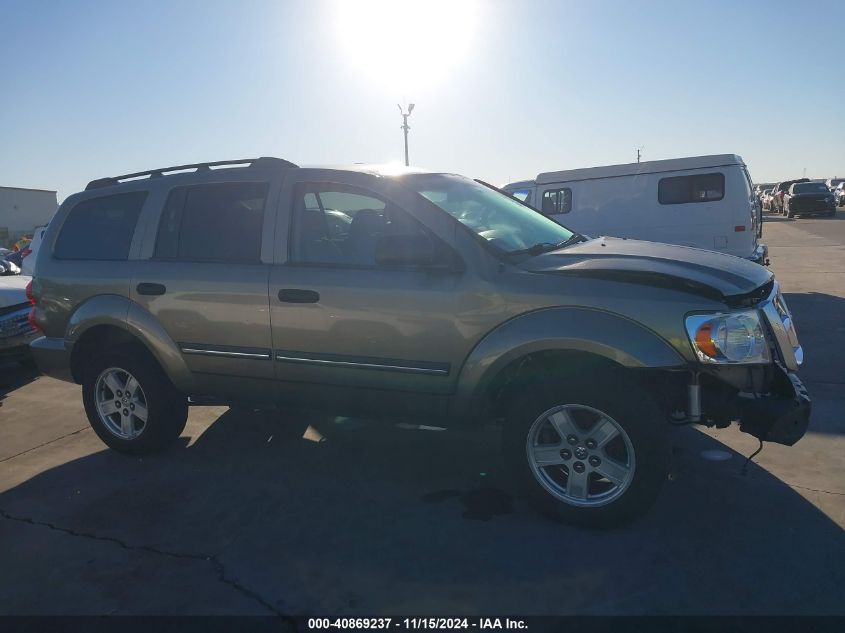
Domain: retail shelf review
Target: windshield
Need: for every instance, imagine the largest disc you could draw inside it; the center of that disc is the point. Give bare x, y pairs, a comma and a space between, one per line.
502, 221
811, 187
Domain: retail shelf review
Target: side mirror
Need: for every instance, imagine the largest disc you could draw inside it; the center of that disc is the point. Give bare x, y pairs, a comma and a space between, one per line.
405, 250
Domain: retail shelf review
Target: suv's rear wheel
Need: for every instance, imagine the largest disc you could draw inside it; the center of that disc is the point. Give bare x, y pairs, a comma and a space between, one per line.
131, 404
588, 455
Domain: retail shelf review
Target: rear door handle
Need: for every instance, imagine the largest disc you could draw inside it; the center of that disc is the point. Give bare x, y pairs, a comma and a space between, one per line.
295, 295
150, 289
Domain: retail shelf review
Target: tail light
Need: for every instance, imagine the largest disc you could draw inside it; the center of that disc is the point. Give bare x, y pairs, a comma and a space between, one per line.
31, 318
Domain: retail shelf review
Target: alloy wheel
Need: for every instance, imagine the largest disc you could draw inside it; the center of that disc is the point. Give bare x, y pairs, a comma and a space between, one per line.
121, 403
580, 455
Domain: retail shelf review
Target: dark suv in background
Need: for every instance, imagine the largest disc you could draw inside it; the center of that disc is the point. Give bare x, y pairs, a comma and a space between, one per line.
780, 191
809, 198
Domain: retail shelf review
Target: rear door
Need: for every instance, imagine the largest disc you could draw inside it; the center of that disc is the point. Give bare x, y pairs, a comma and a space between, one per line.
204, 278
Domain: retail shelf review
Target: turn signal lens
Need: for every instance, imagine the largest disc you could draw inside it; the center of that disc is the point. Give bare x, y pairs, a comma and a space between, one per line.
704, 340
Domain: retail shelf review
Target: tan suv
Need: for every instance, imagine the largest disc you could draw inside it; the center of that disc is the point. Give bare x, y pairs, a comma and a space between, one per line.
390, 292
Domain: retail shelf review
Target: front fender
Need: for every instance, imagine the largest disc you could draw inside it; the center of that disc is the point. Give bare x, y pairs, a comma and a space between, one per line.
120, 312
604, 334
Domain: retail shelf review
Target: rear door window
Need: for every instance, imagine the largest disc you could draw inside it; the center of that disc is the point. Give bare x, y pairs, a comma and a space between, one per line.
219, 222
100, 228
695, 188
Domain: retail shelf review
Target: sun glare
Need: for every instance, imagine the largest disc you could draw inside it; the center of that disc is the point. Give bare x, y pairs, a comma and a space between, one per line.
406, 45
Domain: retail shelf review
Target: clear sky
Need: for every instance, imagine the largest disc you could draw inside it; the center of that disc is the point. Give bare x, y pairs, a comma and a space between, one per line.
503, 89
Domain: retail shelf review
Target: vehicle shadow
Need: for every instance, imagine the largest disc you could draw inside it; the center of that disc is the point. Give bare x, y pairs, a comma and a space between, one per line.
368, 518
14, 376
820, 321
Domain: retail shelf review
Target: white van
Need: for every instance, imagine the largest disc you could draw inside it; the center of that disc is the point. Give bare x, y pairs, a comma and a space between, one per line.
702, 201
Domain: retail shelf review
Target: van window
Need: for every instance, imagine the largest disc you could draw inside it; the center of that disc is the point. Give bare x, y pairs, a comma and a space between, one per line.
216, 222
697, 188
523, 195
557, 201
100, 228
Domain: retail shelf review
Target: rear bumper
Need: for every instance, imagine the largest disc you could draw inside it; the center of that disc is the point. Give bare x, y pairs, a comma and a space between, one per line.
760, 255
52, 357
16, 348
16, 334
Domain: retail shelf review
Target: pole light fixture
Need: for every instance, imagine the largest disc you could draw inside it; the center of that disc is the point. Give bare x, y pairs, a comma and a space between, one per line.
406, 127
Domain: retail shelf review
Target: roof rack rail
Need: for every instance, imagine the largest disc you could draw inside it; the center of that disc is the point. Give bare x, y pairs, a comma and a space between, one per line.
262, 162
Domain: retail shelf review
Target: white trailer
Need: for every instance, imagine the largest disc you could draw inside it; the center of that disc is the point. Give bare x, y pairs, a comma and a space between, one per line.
702, 201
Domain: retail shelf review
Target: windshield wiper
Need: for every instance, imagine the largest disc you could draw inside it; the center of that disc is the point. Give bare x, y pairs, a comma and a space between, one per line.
545, 247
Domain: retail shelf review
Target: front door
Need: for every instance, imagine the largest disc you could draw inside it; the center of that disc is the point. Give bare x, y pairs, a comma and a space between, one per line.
341, 319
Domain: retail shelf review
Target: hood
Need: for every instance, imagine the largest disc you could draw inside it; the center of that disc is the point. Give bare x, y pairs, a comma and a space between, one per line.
13, 290
679, 267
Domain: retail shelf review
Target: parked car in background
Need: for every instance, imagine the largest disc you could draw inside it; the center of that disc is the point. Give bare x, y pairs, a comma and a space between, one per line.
766, 199
780, 190
839, 195
833, 183
9, 268
16, 331
702, 201
761, 187
809, 198
445, 299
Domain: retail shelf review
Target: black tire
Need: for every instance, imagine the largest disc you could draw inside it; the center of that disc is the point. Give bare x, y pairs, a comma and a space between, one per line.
631, 407
167, 409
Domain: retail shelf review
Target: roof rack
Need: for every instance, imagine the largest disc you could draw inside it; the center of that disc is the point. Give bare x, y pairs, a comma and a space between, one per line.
263, 161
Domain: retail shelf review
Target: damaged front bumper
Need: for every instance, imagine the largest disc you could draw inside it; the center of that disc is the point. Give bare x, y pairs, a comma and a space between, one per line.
769, 402
782, 415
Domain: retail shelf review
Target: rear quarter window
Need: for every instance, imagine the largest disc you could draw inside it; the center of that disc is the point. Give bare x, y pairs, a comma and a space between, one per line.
694, 188
100, 228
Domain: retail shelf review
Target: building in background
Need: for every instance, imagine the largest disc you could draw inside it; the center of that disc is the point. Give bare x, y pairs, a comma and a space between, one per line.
21, 210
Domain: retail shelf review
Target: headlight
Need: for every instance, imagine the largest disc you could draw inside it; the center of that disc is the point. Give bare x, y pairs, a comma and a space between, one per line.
732, 338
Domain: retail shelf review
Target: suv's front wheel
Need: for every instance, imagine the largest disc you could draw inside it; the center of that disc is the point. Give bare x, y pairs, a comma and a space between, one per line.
588, 455
131, 404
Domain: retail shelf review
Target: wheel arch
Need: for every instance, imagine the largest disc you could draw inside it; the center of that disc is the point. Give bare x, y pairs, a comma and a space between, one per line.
554, 339
115, 321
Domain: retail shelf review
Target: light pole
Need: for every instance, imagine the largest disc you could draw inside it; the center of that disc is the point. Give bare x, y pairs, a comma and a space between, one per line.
406, 127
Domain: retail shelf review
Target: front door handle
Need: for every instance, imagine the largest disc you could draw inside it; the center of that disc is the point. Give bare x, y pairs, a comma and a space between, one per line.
295, 295
150, 289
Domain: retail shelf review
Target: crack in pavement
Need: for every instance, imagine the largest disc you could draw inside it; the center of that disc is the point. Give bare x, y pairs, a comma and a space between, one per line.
35, 448
215, 562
